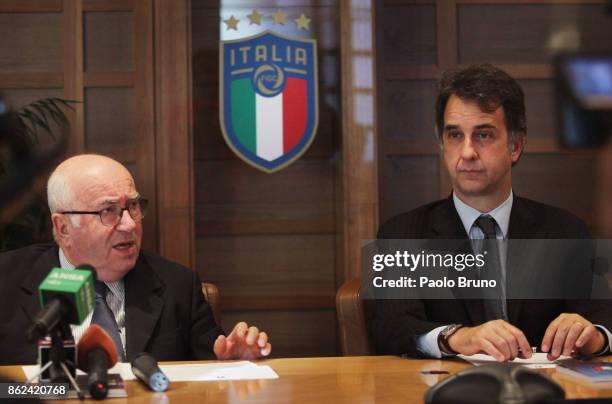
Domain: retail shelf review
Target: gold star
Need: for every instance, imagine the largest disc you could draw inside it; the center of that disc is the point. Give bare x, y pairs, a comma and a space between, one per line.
232, 23
303, 22
254, 18
279, 17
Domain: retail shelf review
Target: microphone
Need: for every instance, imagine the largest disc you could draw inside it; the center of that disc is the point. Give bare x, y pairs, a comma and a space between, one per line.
96, 353
66, 296
144, 367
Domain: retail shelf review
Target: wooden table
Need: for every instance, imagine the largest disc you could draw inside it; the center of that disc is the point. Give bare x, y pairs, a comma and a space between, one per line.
371, 379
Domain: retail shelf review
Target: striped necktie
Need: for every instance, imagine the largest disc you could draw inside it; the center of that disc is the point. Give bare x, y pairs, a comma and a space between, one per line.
104, 317
495, 300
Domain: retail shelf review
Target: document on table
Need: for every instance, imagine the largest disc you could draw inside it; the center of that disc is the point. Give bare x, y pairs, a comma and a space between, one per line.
242, 370
537, 361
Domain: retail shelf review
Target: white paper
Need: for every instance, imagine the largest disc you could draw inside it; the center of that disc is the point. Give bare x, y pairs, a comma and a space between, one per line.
243, 370
538, 360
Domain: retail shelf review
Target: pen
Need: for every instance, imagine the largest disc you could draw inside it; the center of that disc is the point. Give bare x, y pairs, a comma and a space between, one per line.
434, 372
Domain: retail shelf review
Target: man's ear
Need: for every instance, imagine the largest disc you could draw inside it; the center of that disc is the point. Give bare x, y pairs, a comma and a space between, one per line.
61, 228
516, 150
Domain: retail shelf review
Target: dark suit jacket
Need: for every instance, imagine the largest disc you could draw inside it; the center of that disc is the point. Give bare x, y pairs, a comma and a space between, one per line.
396, 323
165, 310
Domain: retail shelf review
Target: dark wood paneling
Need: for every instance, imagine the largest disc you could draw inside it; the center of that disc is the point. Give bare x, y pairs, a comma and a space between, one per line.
539, 102
109, 41
173, 119
510, 33
109, 118
409, 34
407, 109
16, 98
108, 79
108, 5
31, 80
292, 333
31, 42
567, 181
264, 218
407, 182
30, 6
292, 301
205, 44
268, 265
240, 183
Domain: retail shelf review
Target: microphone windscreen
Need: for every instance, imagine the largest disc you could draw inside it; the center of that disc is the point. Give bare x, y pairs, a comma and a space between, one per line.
95, 337
90, 268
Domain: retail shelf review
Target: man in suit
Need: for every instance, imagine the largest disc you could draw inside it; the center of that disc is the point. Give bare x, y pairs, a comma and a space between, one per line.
144, 302
481, 128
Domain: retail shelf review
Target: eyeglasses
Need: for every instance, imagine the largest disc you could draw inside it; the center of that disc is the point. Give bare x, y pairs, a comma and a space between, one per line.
111, 215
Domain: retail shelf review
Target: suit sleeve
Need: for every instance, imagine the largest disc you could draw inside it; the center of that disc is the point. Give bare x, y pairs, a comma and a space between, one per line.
597, 310
396, 324
204, 329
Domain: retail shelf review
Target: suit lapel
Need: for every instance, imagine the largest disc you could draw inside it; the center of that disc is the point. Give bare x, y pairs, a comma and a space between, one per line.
48, 260
143, 306
446, 222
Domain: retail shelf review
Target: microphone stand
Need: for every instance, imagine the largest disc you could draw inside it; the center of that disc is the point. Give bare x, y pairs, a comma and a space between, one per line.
57, 364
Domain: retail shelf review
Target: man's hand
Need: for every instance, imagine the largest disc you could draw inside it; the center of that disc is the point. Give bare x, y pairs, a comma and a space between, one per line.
497, 338
244, 342
571, 332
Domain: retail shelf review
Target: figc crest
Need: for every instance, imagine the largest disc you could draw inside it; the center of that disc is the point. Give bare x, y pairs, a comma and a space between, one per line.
268, 98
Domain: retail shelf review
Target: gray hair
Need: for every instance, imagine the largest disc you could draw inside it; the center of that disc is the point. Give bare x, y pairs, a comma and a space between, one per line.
60, 196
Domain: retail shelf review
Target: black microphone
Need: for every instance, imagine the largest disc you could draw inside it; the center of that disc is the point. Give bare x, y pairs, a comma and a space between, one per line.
144, 367
96, 354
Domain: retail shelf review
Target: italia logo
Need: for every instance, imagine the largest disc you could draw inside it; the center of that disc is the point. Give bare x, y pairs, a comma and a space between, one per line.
268, 98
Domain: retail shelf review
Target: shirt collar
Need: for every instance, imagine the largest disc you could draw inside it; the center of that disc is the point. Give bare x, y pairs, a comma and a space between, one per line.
468, 214
66, 264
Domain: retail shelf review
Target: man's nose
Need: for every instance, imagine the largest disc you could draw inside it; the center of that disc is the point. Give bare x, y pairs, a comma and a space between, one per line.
468, 151
126, 222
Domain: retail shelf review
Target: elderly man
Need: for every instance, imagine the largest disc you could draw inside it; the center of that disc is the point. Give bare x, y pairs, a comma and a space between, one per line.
157, 305
481, 127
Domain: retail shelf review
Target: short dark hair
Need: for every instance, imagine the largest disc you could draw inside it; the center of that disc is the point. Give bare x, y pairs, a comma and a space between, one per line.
488, 86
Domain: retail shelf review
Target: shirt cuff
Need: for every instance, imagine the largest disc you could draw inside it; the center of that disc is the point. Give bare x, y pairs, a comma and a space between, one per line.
427, 344
608, 335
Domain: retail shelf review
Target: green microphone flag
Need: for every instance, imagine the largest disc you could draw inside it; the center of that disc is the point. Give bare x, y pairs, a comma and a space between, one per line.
74, 287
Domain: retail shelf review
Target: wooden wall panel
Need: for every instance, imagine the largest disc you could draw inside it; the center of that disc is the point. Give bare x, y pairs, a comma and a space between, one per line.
293, 333
298, 198
409, 34
276, 265
109, 41
539, 102
408, 109
31, 42
109, 118
564, 180
408, 182
525, 33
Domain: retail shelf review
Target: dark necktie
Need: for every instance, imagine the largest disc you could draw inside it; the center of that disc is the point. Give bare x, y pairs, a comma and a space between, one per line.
103, 316
494, 301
